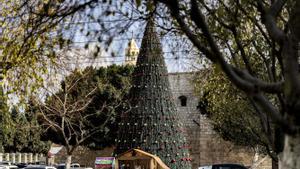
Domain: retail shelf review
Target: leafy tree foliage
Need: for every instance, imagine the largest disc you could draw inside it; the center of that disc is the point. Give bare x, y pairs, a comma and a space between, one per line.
7, 126
19, 133
233, 115
27, 134
33, 32
83, 111
116, 90
26, 46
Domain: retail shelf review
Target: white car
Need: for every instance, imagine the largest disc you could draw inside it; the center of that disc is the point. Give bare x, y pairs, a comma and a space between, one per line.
223, 166
205, 167
8, 166
39, 167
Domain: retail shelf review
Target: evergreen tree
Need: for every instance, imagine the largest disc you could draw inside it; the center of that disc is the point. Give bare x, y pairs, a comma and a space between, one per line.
7, 128
27, 133
153, 124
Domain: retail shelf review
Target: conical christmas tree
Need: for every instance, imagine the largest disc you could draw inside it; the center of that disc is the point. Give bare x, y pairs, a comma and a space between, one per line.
152, 124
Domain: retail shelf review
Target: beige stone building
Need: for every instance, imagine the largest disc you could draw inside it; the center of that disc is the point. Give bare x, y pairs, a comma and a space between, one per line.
206, 147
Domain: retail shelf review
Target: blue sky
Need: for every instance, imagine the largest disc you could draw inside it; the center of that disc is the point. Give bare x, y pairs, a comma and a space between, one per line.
177, 57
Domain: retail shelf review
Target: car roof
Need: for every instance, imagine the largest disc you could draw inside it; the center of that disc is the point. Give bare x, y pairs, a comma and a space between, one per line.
63, 164
205, 167
229, 164
39, 166
5, 162
222, 165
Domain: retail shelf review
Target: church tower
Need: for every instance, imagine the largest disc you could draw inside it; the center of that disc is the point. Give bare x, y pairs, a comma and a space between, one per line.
131, 53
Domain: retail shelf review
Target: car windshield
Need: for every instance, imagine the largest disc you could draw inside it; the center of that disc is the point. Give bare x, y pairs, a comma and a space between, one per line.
229, 167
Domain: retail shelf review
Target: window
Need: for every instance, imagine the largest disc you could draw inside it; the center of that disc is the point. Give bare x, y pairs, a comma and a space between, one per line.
202, 107
183, 100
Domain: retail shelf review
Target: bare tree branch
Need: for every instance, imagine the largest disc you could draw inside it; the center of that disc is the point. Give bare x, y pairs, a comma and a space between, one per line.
217, 57
276, 7
269, 19
267, 106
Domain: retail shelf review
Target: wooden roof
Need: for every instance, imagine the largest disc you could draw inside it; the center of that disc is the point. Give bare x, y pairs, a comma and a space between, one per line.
135, 154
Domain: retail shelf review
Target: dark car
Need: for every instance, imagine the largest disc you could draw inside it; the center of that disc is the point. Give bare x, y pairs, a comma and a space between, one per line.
223, 166
21, 165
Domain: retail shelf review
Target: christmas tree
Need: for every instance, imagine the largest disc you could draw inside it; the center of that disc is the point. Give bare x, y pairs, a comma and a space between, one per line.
152, 124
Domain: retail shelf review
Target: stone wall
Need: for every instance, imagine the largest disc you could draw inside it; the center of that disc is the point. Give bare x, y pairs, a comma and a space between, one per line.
84, 156
206, 147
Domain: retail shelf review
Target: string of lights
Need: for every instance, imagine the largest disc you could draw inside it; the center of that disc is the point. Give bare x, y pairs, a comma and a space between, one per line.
123, 56
108, 61
95, 22
164, 37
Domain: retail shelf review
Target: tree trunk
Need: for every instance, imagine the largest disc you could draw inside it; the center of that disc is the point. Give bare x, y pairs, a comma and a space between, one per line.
274, 164
68, 161
291, 154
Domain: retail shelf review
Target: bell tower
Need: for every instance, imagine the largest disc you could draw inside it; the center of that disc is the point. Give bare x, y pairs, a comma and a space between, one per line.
131, 53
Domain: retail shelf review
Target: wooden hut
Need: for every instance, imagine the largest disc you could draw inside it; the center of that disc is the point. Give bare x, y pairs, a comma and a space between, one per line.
138, 159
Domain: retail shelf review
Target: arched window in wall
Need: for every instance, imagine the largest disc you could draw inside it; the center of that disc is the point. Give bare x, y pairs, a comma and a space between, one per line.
183, 100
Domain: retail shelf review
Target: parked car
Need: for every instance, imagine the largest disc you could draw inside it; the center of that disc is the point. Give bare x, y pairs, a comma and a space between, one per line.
73, 165
40, 163
223, 166
22, 165
39, 167
5, 163
8, 166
